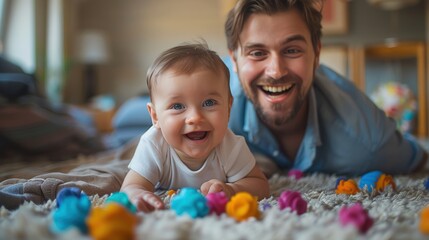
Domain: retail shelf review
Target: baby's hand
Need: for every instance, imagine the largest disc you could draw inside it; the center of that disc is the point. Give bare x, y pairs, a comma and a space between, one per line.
148, 201
215, 185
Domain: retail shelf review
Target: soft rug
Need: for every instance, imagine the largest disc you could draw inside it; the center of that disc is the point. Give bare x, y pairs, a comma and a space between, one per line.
396, 215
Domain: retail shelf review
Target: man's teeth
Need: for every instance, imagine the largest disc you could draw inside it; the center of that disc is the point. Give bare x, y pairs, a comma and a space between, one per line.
276, 89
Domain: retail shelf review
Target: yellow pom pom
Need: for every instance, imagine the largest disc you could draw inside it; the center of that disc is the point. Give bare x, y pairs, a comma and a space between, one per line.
383, 181
112, 221
347, 187
242, 206
424, 220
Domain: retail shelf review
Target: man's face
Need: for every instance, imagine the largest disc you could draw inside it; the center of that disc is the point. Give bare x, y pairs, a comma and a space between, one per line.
275, 62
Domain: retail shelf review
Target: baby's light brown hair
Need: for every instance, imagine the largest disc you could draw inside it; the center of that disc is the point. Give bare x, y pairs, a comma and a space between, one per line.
184, 59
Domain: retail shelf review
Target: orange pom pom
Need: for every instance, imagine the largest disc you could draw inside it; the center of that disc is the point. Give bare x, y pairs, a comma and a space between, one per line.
347, 187
383, 181
112, 221
242, 206
424, 220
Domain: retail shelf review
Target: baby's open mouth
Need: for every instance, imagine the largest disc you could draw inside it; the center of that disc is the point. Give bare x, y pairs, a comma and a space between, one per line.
277, 90
197, 135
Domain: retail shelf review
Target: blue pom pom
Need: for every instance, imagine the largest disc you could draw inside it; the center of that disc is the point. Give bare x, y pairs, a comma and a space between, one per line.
426, 184
122, 198
191, 202
66, 192
72, 213
369, 180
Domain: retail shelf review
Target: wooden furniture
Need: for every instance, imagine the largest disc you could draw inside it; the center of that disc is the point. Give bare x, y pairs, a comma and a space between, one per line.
400, 56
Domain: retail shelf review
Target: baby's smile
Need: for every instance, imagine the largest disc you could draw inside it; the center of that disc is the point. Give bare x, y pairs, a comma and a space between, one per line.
197, 135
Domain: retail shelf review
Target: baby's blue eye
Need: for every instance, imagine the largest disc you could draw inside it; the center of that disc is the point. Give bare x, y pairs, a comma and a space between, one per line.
209, 103
177, 106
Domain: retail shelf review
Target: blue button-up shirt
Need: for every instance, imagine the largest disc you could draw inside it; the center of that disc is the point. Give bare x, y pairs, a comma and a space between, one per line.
346, 133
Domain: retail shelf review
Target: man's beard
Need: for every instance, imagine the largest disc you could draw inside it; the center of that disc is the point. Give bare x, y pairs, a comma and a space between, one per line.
279, 121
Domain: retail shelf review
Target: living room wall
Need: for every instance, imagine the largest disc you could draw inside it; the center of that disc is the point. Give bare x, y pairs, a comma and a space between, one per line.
138, 30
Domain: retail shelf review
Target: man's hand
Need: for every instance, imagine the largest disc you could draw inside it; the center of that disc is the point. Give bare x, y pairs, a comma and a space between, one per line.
215, 185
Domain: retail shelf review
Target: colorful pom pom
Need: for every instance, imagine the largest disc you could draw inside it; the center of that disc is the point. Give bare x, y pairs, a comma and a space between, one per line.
72, 212
426, 184
171, 192
242, 206
111, 221
122, 198
384, 181
191, 202
66, 192
357, 216
347, 187
377, 181
339, 180
217, 202
369, 180
292, 200
424, 220
295, 173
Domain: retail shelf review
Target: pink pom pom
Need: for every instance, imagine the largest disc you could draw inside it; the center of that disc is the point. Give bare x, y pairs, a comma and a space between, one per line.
217, 202
357, 216
295, 173
292, 200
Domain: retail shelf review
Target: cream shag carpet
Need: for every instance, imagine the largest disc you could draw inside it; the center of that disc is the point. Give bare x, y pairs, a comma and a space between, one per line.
396, 215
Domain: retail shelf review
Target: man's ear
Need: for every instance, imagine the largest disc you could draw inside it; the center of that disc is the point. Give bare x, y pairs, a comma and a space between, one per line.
233, 60
152, 112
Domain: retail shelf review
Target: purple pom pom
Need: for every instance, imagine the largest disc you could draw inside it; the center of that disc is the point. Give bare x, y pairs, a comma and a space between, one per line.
357, 216
217, 202
292, 200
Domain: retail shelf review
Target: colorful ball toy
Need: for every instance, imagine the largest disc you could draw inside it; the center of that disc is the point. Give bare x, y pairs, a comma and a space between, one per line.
424, 220
377, 181
66, 192
426, 184
347, 186
121, 198
357, 216
293, 201
191, 202
111, 221
295, 173
72, 212
398, 102
217, 202
242, 206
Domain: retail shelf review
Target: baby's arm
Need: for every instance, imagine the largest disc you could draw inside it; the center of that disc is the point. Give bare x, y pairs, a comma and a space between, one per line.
141, 192
254, 183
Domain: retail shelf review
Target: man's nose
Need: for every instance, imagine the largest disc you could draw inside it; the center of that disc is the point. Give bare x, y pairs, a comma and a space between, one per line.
276, 68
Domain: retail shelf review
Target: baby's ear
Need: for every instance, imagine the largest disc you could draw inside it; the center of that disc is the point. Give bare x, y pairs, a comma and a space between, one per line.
152, 112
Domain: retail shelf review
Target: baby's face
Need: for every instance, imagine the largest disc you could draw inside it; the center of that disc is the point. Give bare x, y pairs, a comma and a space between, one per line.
192, 111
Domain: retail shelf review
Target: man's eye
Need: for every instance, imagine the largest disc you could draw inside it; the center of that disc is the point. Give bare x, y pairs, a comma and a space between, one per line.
209, 103
256, 54
177, 106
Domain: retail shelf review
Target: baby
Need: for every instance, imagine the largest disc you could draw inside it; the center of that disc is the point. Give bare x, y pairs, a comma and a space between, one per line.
189, 144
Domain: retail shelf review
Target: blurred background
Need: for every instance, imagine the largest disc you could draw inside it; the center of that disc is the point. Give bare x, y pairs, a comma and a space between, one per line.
86, 51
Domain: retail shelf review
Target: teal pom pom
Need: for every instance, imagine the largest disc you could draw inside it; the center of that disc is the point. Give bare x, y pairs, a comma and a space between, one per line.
191, 202
71, 213
122, 198
369, 180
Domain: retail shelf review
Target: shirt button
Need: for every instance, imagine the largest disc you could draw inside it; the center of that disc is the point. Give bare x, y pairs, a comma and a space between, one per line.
276, 153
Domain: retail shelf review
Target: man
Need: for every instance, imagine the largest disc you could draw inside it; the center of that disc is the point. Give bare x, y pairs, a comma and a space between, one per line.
296, 114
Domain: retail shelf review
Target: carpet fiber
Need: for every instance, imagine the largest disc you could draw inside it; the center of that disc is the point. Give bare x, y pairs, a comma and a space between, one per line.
396, 215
